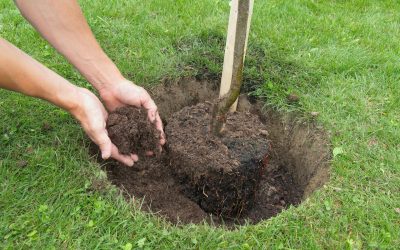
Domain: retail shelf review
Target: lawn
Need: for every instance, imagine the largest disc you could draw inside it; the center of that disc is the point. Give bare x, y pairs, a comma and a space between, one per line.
342, 58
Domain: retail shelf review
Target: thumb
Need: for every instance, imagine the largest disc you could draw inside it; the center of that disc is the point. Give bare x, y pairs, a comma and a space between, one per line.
105, 145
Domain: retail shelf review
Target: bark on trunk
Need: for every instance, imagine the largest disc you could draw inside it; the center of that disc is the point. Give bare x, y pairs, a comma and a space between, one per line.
222, 105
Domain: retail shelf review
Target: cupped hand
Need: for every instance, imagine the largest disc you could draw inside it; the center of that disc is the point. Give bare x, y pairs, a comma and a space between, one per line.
92, 116
124, 93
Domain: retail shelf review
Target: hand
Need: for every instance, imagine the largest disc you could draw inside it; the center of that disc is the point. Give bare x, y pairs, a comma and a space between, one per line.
92, 116
124, 93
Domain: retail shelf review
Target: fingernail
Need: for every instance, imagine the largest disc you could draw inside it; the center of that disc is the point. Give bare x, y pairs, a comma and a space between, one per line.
134, 157
104, 156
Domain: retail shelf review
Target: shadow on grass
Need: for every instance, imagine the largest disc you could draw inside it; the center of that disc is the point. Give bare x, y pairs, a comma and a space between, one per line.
202, 57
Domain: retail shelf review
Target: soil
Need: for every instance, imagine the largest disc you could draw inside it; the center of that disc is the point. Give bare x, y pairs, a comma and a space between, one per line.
163, 194
131, 131
220, 173
151, 179
298, 163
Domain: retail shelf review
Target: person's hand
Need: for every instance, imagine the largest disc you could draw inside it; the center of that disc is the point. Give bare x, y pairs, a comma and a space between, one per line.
124, 93
92, 116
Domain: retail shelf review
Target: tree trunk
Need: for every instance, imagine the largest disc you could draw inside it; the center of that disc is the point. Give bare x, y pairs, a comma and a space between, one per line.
222, 105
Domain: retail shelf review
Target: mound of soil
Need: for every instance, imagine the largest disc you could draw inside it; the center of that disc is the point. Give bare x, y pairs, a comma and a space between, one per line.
298, 163
221, 174
131, 131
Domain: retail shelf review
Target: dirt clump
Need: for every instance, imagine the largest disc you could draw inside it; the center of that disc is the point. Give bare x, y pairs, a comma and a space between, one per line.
131, 131
220, 173
22, 163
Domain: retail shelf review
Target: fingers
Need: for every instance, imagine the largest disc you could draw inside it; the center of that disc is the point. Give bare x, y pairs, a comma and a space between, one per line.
124, 159
92, 117
147, 103
159, 126
104, 143
108, 149
135, 157
131, 94
152, 114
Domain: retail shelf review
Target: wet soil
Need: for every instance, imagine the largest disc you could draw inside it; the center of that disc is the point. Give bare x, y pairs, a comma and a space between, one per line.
298, 163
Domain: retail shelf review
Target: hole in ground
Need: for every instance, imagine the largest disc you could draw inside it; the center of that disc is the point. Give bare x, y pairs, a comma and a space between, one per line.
298, 164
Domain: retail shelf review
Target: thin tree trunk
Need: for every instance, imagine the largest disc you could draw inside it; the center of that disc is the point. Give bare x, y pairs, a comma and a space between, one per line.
222, 105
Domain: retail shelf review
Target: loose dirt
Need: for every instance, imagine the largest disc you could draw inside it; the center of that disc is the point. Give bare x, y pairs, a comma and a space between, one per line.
132, 132
220, 173
298, 162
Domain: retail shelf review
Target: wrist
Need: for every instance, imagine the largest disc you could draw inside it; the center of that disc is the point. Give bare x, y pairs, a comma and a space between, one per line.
102, 73
83, 100
58, 92
111, 89
71, 100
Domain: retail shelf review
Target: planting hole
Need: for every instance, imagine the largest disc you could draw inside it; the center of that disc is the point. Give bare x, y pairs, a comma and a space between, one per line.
274, 161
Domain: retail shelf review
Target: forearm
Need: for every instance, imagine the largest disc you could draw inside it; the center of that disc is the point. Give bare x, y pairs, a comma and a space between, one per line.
21, 73
64, 26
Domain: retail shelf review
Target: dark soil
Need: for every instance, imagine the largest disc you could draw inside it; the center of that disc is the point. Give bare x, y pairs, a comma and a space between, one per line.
131, 131
298, 164
152, 179
200, 177
221, 174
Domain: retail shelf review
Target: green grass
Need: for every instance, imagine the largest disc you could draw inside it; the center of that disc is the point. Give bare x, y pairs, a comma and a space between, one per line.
340, 57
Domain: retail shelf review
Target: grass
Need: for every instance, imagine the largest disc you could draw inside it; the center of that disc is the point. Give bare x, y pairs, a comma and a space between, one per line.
340, 57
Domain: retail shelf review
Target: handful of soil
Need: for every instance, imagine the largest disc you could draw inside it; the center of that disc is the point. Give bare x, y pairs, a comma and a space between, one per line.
221, 174
131, 131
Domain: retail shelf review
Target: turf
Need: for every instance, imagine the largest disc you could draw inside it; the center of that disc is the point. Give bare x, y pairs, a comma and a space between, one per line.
340, 57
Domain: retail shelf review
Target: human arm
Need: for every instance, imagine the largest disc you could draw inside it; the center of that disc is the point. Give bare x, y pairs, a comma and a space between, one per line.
21, 73
64, 26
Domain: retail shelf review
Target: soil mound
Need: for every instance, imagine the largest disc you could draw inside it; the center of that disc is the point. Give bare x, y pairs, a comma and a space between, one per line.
131, 131
299, 162
221, 174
